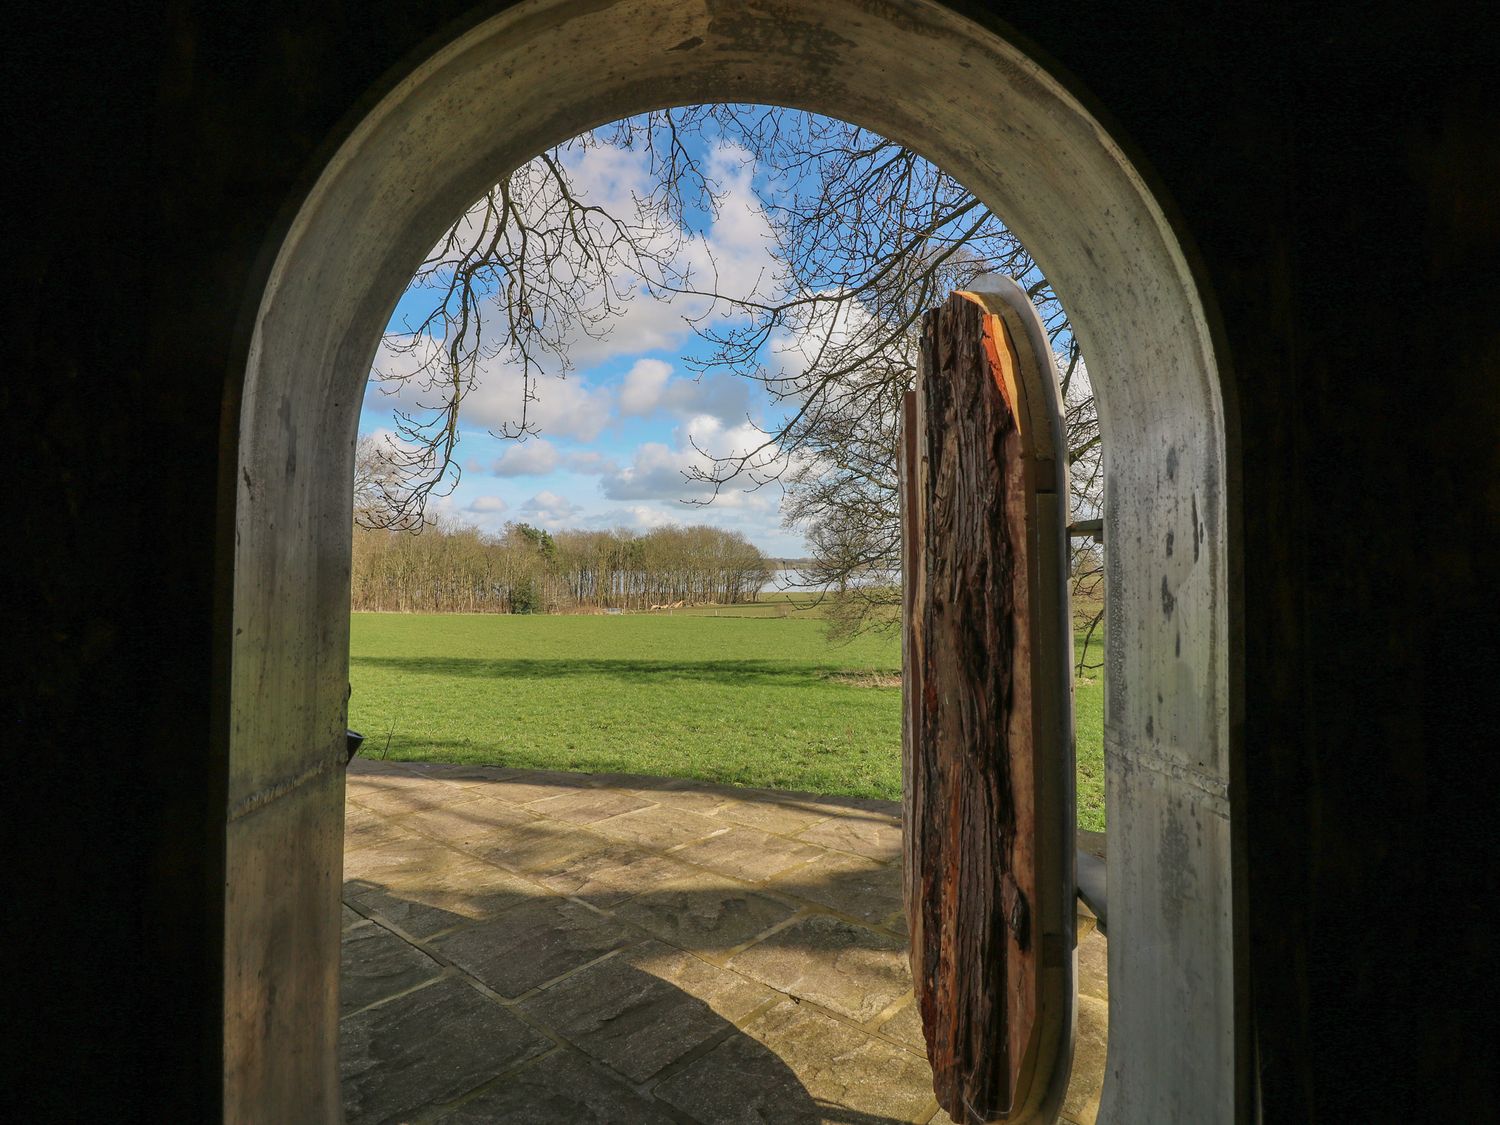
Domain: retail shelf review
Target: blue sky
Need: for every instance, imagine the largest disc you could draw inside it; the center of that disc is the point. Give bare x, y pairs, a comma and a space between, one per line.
618, 431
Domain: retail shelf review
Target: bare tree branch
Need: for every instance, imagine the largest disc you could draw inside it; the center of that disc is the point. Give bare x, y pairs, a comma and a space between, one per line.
866, 235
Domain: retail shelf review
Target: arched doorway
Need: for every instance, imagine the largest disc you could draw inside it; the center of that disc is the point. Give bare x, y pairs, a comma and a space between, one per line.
956, 91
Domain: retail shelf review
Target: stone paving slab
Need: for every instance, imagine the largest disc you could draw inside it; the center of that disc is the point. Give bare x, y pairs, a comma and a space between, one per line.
794, 1065
658, 826
609, 873
857, 808
541, 947
396, 860
705, 914
471, 823
1093, 966
850, 884
749, 853
532, 944
585, 806
458, 771
365, 828
527, 786
850, 970
426, 903
425, 1047
560, 1089
377, 964
873, 839
537, 845
771, 816
392, 795
706, 801
905, 1026
646, 1007
1090, 1044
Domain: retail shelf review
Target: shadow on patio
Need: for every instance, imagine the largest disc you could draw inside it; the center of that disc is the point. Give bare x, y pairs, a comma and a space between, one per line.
549, 947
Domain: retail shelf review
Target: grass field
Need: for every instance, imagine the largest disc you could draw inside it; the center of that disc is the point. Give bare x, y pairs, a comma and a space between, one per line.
746, 697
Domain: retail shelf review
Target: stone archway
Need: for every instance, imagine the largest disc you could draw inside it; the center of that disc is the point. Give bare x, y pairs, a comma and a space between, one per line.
956, 90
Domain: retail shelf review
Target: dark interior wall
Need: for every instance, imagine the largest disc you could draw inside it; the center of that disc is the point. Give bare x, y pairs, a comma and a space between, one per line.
1373, 640
1334, 178
1336, 172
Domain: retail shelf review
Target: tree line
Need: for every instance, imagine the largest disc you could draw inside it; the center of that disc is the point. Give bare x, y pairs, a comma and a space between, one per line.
452, 568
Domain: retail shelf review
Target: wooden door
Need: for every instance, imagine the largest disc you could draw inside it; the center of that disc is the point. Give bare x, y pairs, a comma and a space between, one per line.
987, 740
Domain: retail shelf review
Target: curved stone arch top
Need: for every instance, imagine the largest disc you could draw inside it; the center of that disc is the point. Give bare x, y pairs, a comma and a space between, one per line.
538, 73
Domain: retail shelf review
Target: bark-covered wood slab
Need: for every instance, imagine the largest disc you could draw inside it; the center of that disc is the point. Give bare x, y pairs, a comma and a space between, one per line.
970, 779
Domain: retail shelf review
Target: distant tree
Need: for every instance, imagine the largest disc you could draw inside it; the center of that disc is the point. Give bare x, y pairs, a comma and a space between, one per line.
538, 538
452, 567
523, 596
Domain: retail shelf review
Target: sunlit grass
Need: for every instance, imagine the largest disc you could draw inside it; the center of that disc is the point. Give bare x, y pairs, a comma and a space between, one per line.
744, 698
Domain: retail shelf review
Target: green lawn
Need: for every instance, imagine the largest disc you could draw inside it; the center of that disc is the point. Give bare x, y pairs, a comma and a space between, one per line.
745, 698
1088, 730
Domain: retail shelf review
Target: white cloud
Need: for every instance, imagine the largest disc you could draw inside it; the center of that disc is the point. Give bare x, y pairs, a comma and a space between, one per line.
641, 390
649, 486
737, 249
724, 396
568, 408
660, 472
532, 458
572, 408
400, 363
656, 472
637, 517
710, 434
733, 255
589, 463
825, 335
609, 176
486, 505
550, 509
563, 407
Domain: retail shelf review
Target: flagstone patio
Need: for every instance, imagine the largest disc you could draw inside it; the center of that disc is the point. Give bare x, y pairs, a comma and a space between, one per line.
524, 946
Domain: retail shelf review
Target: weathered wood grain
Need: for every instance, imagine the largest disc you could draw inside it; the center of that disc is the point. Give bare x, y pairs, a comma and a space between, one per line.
970, 786
913, 491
